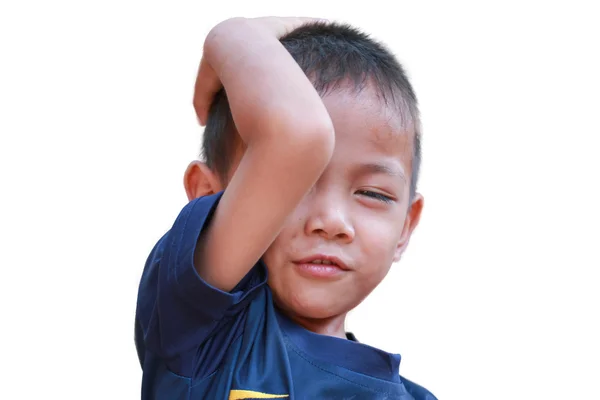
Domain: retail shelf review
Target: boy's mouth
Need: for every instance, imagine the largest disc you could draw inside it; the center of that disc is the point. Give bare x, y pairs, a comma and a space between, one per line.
321, 266
322, 259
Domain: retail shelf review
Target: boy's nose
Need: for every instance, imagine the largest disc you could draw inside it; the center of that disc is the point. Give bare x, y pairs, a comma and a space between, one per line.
331, 223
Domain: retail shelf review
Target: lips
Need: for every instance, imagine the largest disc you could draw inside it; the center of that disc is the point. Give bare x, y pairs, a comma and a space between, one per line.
321, 266
325, 260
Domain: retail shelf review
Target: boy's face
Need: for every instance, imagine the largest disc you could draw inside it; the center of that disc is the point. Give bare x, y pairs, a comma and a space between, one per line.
358, 214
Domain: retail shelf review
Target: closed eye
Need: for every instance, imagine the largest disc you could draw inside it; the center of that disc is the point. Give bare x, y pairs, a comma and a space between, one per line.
375, 195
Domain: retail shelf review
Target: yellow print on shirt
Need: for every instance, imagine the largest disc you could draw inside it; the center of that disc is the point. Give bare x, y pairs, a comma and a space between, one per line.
249, 394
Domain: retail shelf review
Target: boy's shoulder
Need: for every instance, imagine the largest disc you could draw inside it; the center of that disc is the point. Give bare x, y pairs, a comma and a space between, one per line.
417, 391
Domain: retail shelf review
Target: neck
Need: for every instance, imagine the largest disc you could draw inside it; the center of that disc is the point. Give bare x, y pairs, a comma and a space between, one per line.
332, 326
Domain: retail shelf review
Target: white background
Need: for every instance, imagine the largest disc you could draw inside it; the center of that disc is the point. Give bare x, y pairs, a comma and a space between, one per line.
497, 297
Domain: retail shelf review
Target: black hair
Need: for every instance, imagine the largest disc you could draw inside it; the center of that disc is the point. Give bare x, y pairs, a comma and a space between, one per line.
330, 54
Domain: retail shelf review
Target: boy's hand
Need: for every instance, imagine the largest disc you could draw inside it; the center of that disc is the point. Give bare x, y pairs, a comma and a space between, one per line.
208, 82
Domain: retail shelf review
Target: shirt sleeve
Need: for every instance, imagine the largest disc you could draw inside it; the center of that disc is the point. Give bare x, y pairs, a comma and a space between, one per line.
181, 309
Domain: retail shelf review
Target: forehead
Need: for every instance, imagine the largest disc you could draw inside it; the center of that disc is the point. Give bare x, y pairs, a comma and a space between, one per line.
368, 128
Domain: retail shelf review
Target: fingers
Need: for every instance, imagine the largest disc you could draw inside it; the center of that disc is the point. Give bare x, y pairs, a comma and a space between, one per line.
207, 85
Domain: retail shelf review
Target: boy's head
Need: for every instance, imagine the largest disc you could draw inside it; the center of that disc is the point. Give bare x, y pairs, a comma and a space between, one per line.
363, 209
335, 57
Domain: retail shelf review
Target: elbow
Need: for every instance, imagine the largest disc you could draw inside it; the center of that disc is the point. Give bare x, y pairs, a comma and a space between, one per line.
307, 141
313, 142
295, 138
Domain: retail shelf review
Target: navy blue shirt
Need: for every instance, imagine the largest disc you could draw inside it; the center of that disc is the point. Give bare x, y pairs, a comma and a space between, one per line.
197, 342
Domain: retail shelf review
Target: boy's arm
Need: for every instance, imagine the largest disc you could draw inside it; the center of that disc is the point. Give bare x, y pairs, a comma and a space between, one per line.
289, 138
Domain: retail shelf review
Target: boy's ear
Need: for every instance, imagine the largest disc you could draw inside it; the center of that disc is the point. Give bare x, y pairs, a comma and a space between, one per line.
410, 223
199, 180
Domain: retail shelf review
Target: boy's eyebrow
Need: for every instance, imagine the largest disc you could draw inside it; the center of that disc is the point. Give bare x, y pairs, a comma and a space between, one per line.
381, 168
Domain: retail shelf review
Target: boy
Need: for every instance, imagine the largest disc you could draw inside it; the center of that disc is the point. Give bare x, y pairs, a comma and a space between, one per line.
311, 162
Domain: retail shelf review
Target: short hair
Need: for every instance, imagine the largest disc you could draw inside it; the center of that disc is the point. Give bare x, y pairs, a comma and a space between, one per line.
331, 55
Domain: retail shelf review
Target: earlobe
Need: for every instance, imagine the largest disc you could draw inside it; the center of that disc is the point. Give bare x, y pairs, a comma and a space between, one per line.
410, 223
199, 180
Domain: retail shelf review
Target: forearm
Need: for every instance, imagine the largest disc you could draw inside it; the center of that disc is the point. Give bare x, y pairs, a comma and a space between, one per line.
268, 92
289, 137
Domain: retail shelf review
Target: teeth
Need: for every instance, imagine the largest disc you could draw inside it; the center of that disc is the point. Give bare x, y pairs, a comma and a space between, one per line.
326, 262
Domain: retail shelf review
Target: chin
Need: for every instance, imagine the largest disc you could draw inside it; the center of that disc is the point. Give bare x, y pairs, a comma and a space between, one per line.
311, 304
313, 311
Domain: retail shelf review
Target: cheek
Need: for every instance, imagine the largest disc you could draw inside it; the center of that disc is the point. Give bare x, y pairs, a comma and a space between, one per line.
379, 240
293, 227
283, 245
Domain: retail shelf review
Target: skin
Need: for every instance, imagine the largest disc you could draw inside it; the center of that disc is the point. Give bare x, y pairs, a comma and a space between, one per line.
345, 216
286, 131
310, 190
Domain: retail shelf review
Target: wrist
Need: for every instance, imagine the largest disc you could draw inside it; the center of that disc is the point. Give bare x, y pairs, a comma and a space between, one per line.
239, 37
234, 39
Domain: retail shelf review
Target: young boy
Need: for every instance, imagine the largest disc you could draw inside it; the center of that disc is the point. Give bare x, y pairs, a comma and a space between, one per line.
305, 199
